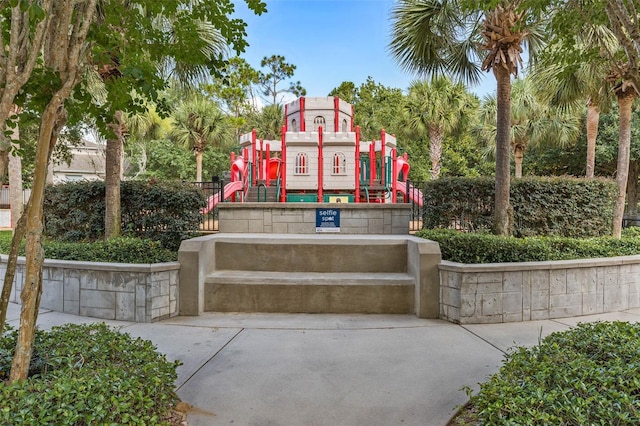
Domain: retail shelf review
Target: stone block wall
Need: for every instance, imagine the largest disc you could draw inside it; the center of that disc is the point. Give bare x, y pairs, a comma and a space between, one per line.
509, 292
139, 293
300, 218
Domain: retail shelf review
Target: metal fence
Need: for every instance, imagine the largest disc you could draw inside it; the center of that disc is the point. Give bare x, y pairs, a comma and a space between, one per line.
415, 189
211, 188
210, 213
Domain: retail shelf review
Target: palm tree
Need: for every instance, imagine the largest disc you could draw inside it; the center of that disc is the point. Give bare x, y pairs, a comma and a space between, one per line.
143, 127
199, 123
439, 36
571, 85
533, 122
210, 44
435, 109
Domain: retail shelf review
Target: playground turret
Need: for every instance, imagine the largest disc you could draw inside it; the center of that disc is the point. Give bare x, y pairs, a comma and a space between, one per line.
320, 157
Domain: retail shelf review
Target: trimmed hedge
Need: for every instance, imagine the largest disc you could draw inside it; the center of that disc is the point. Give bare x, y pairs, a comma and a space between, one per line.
469, 247
584, 376
117, 250
568, 207
87, 374
168, 212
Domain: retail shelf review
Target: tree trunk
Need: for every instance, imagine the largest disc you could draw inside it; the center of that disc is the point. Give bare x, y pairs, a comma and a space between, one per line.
10, 273
501, 211
17, 223
198, 165
593, 117
435, 149
62, 51
50, 124
16, 200
518, 157
625, 102
632, 188
113, 176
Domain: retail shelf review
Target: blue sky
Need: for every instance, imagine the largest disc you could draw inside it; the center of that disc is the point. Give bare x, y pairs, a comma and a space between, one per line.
330, 41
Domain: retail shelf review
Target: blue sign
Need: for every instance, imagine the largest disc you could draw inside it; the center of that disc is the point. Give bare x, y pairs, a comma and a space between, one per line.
327, 220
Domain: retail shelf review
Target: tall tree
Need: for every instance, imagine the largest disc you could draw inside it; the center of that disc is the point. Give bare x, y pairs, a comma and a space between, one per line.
144, 127
575, 80
533, 122
234, 91
199, 123
435, 109
434, 37
376, 106
146, 44
23, 27
278, 72
63, 52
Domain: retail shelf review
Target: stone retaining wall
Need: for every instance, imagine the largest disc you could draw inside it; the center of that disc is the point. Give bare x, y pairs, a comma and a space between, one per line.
510, 292
300, 218
140, 293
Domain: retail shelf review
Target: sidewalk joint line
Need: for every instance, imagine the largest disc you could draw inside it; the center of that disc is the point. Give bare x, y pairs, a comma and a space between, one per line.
483, 339
212, 357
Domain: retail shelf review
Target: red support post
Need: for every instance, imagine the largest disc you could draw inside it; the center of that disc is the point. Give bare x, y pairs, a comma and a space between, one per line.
266, 165
394, 175
357, 193
320, 165
283, 166
372, 163
286, 119
233, 175
261, 166
303, 126
383, 141
336, 114
253, 156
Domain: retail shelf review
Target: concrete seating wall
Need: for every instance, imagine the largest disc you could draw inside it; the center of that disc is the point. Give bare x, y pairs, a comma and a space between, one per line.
527, 291
295, 273
116, 291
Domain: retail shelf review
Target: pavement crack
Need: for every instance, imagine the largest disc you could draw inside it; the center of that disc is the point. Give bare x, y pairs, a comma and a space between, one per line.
210, 358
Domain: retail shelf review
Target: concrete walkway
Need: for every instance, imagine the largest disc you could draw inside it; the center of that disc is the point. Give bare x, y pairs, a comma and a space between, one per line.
352, 370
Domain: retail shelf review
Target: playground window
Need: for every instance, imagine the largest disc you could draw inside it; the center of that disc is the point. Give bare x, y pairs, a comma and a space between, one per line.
345, 126
339, 164
317, 122
302, 164
294, 125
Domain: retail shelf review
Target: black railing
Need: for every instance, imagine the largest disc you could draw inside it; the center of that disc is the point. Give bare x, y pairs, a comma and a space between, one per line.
415, 189
216, 186
210, 212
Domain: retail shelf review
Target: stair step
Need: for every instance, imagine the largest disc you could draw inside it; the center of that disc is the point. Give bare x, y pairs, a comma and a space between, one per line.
251, 291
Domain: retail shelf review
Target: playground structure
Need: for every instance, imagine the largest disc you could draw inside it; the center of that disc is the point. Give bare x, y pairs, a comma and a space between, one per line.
320, 158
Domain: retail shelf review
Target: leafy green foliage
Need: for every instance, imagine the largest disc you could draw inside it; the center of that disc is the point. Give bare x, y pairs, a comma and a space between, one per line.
584, 376
116, 250
466, 247
541, 206
165, 212
87, 374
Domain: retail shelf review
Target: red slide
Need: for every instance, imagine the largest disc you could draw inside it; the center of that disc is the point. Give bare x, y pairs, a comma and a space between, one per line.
414, 193
229, 189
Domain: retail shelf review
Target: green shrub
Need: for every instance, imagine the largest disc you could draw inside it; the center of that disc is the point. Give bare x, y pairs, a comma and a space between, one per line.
584, 376
168, 212
117, 250
87, 374
568, 207
469, 247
